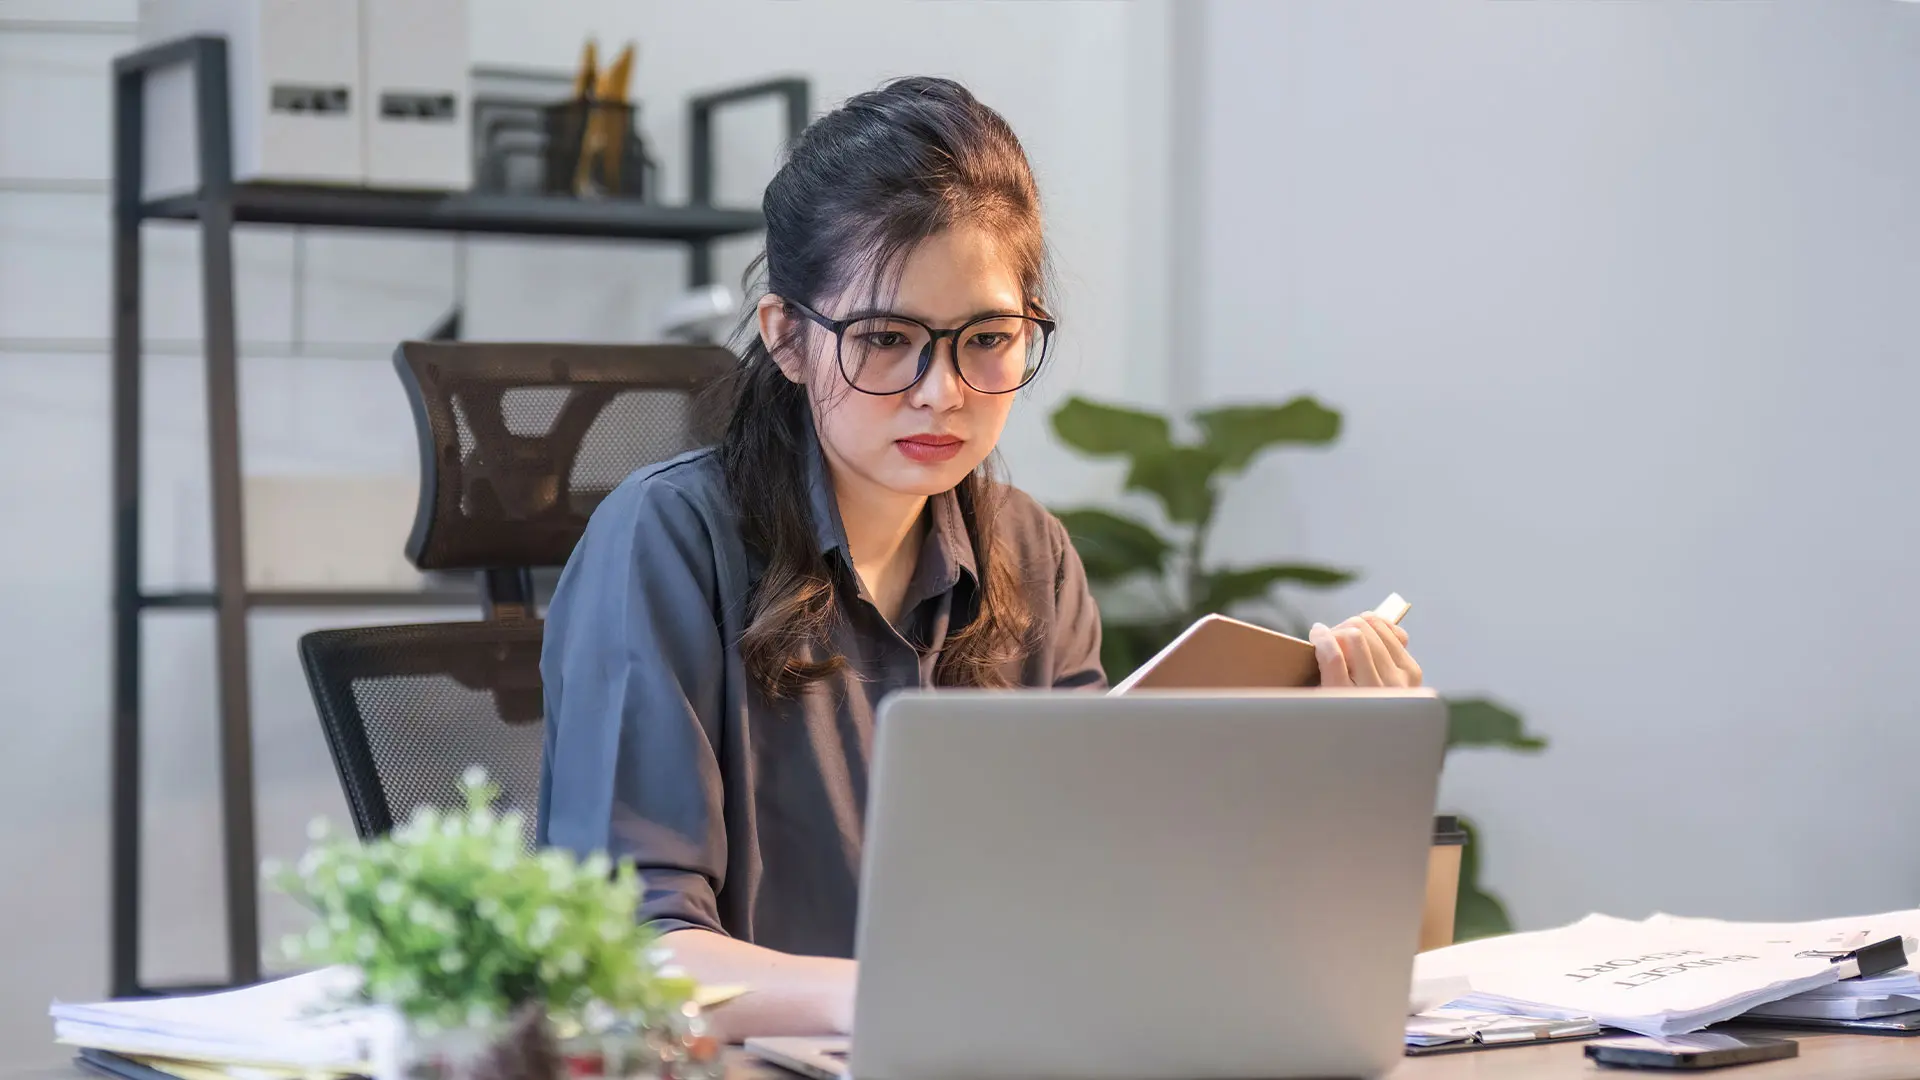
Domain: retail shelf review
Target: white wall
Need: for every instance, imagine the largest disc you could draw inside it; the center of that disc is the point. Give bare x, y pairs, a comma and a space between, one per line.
1620, 302
1081, 82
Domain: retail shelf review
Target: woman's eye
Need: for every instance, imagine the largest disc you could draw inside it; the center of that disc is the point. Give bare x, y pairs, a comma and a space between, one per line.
993, 340
885, 339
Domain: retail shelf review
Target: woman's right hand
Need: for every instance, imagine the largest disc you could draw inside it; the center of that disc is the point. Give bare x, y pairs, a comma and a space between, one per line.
786, 994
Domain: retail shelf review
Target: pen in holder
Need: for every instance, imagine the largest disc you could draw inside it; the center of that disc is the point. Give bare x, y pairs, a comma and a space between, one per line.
592, 149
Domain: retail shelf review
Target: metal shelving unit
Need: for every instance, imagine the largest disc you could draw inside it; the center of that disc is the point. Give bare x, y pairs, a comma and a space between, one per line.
217, 208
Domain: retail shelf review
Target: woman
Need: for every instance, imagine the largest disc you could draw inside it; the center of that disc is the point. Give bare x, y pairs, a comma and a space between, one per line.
726, 629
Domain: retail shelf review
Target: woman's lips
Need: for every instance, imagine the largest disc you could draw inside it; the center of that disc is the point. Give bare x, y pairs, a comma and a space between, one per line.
929, 449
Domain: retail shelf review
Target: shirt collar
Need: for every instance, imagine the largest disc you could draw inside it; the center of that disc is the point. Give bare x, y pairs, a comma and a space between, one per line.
947, 553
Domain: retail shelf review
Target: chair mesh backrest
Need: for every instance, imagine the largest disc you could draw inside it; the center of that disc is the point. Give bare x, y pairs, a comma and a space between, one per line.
520, 442
407, 709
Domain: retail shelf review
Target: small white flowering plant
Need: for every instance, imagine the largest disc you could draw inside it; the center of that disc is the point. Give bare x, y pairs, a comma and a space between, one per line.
453, 923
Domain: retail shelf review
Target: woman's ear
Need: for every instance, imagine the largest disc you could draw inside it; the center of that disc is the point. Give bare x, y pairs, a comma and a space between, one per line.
777, 333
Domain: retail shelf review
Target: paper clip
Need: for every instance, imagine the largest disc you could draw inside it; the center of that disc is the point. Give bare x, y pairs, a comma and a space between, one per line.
1865, 961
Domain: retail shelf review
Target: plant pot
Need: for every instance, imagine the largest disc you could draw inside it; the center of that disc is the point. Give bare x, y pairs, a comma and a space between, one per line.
1443, 883
679, 1048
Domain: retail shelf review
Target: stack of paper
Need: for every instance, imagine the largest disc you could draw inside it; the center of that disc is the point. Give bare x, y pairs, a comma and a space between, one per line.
1858, 1000
304, 1023
308, 1027
1888, 994
1660, 976
1828, 936
1445, 1025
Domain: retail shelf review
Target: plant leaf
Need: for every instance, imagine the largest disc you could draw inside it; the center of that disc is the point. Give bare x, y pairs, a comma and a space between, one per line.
1225, 588
1105, 430
1181, 477
1476, 912
1113, 546
1238, 433
1479, 722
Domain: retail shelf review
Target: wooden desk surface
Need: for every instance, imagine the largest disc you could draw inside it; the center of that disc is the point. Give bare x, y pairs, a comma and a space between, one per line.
1837, 1057
1828, 1057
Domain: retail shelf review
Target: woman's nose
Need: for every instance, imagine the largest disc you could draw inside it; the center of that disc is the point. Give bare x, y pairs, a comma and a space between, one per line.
941, 387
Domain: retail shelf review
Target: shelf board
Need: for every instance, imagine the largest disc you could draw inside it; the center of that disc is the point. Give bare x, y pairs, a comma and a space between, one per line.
323, 598
520, 215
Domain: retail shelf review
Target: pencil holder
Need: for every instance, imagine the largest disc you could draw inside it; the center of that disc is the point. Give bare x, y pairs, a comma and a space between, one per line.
593, 149
1443, 883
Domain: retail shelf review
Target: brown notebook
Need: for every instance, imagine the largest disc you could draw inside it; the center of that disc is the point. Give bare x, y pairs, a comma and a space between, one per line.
1222, 653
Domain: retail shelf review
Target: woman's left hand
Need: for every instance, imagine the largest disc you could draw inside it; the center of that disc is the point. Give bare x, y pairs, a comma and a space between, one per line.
1366, 650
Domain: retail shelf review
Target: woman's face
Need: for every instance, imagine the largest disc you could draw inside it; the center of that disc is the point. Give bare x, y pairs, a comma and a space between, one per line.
925, 440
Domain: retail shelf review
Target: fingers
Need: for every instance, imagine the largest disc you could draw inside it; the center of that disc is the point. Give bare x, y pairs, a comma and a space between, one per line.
1366, 650
1333, 661
1375, 654
1365, 655
1394, 640
1399, 632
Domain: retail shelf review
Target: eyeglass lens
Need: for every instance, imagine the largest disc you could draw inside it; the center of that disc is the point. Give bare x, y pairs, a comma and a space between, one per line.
995, 355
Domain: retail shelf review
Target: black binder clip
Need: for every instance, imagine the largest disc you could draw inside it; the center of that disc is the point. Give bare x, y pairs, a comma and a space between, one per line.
1867, 961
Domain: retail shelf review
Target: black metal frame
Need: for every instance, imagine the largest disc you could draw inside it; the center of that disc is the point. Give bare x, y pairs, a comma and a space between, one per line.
217, 206
700, 116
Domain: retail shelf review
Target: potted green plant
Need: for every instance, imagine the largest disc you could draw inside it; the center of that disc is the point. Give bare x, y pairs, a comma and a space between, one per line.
1152, 585
503, 963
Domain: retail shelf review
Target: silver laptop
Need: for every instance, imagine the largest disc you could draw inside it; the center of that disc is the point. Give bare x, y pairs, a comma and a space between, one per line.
1063, 886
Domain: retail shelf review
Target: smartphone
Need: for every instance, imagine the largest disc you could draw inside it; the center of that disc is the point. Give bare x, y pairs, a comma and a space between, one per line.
1701, 1050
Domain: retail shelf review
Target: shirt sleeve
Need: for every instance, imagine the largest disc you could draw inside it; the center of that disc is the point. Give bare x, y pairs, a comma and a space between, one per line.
633, 664
1075, 641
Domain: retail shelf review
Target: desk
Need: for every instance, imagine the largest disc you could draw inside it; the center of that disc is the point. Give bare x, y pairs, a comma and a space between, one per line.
1832, 1057
1828, 1057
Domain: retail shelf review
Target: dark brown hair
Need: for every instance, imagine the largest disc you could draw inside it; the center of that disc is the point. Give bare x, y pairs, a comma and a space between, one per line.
860, 188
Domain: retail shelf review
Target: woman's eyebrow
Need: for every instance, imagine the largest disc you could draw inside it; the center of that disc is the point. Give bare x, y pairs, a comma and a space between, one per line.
877, 313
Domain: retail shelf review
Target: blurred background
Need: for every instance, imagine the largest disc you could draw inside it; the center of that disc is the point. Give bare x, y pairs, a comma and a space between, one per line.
1618, 302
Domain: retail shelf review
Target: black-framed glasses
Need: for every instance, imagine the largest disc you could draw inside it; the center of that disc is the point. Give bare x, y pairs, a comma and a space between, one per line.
885, 354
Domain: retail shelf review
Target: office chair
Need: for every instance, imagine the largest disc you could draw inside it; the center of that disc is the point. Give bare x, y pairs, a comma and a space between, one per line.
406, 709
518, 444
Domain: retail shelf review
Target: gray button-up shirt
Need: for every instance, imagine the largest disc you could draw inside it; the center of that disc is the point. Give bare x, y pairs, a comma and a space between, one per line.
743, 814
